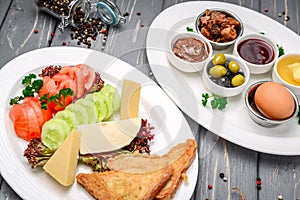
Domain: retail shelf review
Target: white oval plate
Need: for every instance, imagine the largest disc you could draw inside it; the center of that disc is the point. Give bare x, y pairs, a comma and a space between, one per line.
185, 89
170, 125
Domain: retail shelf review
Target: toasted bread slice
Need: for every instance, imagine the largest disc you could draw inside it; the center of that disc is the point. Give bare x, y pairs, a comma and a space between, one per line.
137, 162
181, 156
119, 185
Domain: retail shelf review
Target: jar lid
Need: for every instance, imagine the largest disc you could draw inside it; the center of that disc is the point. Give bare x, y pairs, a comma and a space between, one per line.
109, 13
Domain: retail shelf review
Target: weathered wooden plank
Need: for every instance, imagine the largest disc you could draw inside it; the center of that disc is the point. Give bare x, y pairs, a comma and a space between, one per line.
128, 41
7, 193
284, 11
279, 175
3, 9
238, 165
17, 32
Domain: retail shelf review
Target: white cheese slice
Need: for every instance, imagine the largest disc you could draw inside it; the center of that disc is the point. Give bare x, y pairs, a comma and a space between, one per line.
62, 164
107, 136
130, 99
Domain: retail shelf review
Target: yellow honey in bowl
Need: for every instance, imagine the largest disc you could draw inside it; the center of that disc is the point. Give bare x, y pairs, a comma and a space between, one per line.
288, 69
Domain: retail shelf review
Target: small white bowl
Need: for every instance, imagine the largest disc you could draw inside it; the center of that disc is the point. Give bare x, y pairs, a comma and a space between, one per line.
257, 68
257, 116
184, 65
221, 45
222, 90
277, 78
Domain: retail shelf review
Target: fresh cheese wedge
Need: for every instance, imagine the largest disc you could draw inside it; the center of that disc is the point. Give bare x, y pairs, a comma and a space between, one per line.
62, 164
107, 136
130, 99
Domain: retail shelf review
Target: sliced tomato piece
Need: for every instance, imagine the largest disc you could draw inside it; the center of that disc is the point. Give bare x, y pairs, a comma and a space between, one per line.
49, 87
58, 78
25, 122
35, 104
21, 128
16, 112
33, 125
68, 83
41, 114
69, 71
79, 83
89, 75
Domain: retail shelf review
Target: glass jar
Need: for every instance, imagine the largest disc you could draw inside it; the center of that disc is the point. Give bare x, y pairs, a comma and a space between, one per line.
75, 12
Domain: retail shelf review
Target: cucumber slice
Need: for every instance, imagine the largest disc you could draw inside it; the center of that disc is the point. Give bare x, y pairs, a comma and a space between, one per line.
100, 105
54, 132
113, 94
68, 116
79, 112
90, 108
107, 102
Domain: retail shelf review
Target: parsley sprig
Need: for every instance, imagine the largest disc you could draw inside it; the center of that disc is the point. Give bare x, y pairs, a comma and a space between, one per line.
32, 86
281, 50
59, 99
189, 29
216, 102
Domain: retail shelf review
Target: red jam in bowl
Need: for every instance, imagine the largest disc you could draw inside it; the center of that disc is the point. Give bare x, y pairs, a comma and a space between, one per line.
256, 51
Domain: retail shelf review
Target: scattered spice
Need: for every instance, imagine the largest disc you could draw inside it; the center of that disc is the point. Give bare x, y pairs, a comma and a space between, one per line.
287, 18
52, 34
126, 14
138, 13
142, 25
221, 175
266, 9
64, 43
209, 186
89, 31
36, 31
258, 183
279, 197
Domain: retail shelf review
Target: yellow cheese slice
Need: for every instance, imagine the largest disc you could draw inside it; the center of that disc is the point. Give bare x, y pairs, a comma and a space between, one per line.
107, 136
130, 99
62, 164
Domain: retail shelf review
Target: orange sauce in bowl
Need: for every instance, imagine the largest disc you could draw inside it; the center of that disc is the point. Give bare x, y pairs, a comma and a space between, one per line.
287, 69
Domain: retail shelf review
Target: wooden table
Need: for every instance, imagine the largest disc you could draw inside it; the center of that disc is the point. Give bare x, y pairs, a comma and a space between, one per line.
280, 175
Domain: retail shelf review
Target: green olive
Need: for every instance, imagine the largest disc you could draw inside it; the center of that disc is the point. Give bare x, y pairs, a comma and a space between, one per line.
217, 71
219, 59
233, 66
237, 80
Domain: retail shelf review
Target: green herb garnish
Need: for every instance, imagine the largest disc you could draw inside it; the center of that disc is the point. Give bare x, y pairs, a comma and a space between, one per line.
261, 33
216, 102
281, 50
59, 99
32, 86
188, 29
